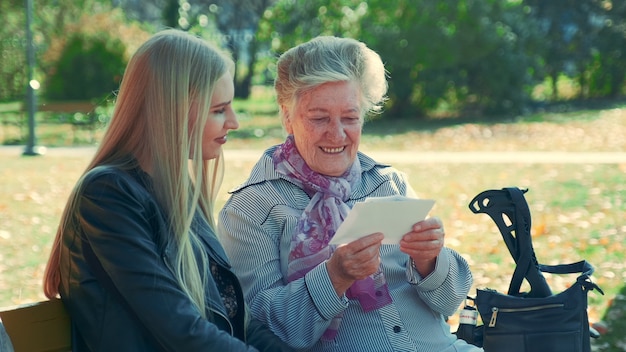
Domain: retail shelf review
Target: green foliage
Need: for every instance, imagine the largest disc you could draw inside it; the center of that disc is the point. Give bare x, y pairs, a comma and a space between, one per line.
586, 41
456, 53
53, 22
90, 67
606, 72
291, 22
464, 54
452, 57
13, 75
504, 77
484, 57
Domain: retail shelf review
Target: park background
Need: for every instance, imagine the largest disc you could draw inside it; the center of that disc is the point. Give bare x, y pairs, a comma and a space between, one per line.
482, 75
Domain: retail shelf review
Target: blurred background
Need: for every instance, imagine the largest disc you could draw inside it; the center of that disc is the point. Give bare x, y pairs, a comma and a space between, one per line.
464, 75
456, 58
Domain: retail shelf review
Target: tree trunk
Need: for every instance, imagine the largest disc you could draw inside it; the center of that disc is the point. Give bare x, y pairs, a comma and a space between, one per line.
243, 86
555, 89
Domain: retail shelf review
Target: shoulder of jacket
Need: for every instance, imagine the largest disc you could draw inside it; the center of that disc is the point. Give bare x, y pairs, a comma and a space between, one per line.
111, 175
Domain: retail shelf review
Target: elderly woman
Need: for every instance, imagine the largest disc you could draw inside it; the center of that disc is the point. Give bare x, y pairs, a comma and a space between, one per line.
276, 227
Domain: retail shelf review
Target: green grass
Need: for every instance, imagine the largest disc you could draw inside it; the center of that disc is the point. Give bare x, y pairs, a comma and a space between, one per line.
578, 210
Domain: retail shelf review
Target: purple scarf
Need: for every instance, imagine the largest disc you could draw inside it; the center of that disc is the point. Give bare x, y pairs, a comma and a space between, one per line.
318, 224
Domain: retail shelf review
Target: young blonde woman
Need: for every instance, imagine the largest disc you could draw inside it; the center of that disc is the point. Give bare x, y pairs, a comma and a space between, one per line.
136, 259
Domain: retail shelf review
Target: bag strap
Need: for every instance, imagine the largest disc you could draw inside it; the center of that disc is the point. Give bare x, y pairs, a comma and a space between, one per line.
583, 267
510, 204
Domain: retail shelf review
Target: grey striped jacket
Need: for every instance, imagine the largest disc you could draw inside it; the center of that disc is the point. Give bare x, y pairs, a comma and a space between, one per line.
255, 227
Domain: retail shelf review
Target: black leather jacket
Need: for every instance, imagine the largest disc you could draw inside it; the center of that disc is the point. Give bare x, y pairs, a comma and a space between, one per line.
117, 282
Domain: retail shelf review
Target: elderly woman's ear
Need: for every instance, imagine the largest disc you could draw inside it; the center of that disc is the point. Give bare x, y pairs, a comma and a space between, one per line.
286, 117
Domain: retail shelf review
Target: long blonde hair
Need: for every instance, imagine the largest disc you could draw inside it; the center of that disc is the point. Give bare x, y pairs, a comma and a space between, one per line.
150, 127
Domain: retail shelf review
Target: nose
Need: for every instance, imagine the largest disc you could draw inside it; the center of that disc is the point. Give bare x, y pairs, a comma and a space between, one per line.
336, 130
231, 120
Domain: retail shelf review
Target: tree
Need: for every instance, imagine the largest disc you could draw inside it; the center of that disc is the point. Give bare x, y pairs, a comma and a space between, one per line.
459, 53
502, 78
49, 20
171, 13
414, 40
88, 61
53, 23
567, 27
238, 21
606, 72
289, 22
466, 54
90, 67
13, 76
154, 13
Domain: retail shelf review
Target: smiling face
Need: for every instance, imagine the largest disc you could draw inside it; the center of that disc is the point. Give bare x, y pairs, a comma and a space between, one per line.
221, 118
326, 123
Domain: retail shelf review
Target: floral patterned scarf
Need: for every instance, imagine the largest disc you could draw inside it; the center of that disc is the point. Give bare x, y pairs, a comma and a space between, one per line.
318, 224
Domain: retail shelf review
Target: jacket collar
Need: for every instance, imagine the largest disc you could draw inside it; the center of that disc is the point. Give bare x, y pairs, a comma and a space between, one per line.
209, 238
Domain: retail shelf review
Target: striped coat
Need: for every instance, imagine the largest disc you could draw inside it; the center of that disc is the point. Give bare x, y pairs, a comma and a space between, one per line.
256, 225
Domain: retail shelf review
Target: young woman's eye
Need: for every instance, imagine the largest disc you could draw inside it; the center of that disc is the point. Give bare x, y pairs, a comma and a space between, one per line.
220, 111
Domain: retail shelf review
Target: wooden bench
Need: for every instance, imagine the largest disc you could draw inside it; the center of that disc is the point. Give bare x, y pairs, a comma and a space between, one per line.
40, 326
81, 115
12, 118
84, 107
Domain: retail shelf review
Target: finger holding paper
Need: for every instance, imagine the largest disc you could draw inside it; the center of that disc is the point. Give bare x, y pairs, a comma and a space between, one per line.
393, 216
423, 244
354, 261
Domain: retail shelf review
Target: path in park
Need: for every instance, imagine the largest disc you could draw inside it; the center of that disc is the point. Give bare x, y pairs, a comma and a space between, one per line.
477, 157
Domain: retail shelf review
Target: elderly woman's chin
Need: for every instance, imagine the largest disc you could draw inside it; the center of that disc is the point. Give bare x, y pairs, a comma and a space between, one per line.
333, 165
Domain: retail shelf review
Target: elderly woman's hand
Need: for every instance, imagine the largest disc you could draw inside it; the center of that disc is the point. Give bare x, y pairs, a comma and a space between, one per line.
423, 244
354, 261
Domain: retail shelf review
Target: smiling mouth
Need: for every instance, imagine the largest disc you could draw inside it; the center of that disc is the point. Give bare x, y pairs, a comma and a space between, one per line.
333, 150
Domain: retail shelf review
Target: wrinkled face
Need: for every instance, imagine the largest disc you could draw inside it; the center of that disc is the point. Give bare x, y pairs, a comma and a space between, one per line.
326, 123
221, 118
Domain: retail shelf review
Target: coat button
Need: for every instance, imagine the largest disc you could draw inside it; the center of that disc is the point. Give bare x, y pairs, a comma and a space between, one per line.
397, 329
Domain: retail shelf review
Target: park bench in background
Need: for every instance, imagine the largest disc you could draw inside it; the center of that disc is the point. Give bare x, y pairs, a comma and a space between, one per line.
40, 326
12, 118
69, 107
81, 115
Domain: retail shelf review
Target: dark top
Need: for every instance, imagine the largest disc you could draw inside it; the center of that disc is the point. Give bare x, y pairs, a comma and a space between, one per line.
117, 282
